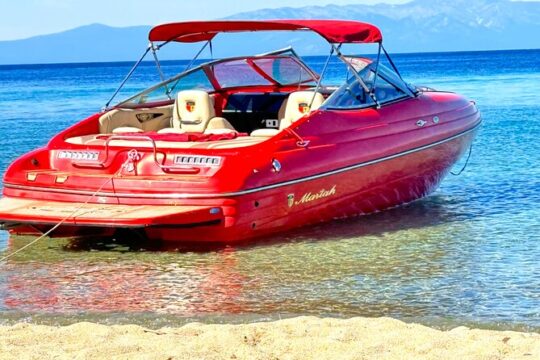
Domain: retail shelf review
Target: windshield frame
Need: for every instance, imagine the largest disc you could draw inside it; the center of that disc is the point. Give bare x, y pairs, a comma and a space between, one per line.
207, 69
371, 68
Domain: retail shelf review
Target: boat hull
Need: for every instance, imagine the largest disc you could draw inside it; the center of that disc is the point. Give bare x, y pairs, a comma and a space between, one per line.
364, 190
353, 190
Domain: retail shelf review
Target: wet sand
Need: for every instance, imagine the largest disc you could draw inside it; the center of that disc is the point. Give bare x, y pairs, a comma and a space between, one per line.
297, 338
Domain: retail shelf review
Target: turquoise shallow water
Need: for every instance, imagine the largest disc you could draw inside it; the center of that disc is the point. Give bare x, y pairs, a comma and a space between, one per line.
467, 254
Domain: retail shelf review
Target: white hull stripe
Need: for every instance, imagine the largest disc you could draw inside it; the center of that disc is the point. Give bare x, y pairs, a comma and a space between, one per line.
243, 192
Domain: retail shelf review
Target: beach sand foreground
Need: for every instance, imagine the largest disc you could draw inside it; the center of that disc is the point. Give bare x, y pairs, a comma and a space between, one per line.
297, 338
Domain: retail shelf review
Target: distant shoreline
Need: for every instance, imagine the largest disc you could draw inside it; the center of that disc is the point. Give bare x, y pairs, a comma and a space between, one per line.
296, 338
180, 61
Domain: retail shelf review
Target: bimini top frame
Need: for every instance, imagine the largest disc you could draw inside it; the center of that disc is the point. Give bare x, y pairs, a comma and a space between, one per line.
336, 32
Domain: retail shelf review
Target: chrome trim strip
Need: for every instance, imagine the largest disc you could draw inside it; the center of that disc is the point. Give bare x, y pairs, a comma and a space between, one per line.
243, 192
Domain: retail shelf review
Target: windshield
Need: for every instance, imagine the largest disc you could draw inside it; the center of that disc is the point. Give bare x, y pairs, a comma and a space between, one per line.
285, 70
383, 83
266, 70
238, 73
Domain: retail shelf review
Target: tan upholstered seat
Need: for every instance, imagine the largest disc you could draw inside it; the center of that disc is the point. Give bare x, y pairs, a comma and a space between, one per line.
219, 125
126, 129
281, 111
135, 120
293, 108
193, 111
298, 106
264, 132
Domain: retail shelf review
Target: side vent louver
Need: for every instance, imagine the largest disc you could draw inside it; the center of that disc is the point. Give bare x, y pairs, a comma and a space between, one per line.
197, 160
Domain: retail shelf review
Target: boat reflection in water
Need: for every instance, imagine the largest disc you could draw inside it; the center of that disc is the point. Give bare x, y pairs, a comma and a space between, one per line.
377, 268
125, 286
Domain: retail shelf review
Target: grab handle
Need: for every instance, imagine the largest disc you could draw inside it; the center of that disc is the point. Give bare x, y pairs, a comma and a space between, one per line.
166, 168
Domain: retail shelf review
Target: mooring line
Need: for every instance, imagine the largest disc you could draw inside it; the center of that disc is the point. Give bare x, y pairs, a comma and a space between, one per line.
464, 166
72, 214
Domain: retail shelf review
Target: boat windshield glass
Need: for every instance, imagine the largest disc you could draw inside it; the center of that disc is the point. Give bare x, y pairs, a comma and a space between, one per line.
388, 87
266, 70
285, 70
238, 73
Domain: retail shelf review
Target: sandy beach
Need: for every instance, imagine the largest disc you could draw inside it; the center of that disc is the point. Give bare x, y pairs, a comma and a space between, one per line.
297, 338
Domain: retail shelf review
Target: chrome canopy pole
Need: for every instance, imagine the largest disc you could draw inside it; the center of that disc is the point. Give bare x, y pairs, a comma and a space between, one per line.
414, 92
322, 74
377, 68
196, 56
154, 53
127, 77
161, 75
169, 91
359, 78
391, 62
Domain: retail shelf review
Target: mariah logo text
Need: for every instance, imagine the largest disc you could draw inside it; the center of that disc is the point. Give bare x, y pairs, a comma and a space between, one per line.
309, 196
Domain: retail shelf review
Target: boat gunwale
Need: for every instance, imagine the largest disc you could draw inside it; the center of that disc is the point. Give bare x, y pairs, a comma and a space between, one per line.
252, 190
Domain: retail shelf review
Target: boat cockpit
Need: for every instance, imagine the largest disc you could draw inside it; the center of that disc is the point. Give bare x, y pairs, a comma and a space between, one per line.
246, 99
240, 101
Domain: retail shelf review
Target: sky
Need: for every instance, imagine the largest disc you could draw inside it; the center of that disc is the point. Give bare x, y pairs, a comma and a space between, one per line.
25, 18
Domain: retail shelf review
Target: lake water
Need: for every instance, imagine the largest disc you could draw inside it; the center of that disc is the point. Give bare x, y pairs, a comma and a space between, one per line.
468, 254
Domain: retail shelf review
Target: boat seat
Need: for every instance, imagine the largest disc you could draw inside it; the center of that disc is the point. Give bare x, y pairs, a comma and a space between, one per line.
264, 132
219, 125
193, 111
298, 106
281, 111
127, 129
117, 121
134, 120
293, 108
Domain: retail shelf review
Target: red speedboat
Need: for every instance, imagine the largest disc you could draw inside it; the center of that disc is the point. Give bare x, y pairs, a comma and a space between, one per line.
242, 147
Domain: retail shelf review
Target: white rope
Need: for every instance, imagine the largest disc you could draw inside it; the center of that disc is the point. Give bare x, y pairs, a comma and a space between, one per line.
72, 214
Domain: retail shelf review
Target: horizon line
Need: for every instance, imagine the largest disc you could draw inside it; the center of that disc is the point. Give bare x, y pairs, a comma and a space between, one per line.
151, 62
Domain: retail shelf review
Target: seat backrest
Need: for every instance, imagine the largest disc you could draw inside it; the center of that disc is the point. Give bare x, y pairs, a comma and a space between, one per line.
298, 106
145, 119
281, 112
192, 110
118, 118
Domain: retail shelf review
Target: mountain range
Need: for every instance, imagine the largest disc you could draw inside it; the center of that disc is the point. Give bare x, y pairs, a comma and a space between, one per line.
416, 26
